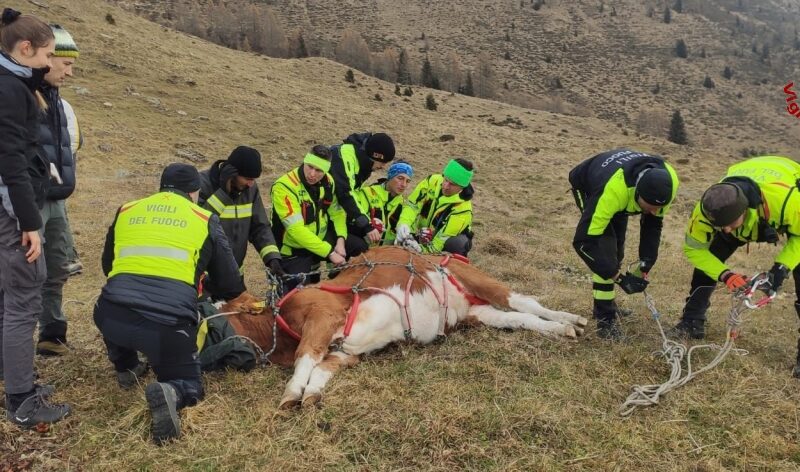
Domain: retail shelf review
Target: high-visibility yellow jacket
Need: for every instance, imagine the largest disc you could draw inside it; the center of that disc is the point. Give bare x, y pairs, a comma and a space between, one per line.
301, 213
445, 216
770, 184
376, 202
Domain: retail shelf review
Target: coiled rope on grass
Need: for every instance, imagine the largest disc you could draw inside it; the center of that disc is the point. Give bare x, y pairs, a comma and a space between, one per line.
674, 352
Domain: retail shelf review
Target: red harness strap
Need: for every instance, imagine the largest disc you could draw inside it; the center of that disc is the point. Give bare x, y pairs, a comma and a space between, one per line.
282, 322
353, 312
472, 299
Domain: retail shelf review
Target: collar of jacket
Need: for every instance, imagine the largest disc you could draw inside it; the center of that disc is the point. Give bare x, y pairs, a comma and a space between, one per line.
14, 67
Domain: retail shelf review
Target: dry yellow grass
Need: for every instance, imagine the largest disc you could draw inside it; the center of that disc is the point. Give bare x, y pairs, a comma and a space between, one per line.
483, 399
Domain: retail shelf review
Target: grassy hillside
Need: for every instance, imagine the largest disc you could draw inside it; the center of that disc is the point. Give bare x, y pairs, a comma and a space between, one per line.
611, 59
481, 400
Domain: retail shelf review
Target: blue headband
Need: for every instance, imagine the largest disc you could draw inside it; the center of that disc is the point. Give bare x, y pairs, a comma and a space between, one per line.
399, 168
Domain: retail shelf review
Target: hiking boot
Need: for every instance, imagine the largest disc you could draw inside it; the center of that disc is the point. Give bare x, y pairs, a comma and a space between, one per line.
609, 329
163, 402
74, 268
688, 329
128, 378
51, 348
36, 409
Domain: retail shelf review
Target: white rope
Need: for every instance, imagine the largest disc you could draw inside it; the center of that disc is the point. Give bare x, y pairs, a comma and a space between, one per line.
674, 352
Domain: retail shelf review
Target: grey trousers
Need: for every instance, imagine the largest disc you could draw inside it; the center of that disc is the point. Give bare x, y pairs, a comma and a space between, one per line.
20, 302
58, 251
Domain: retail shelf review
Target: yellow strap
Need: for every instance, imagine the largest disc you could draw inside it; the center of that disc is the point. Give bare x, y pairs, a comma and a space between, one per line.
202, 331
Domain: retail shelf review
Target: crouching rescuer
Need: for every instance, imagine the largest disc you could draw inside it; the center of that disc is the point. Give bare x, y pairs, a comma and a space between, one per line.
608, 188
155, 252
757, 201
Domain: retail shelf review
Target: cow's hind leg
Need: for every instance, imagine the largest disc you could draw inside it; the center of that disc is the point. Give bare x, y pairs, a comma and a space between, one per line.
323, 372
527, 304
515, 320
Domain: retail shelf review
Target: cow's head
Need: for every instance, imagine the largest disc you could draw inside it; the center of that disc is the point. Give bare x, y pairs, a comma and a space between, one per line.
245, 303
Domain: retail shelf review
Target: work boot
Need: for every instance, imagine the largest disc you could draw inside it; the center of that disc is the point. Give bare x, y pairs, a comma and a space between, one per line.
163, 402
36, 409
128, 378
73, 268
688, 329
609, 329
51, 348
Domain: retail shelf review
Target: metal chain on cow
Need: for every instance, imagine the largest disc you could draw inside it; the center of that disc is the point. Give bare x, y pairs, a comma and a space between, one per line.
674, 352
274, 293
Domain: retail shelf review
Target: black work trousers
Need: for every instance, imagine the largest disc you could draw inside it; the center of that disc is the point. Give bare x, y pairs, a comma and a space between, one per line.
170, 350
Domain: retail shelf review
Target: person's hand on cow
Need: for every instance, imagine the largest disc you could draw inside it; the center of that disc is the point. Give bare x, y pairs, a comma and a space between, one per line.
340, 248
336, 258
410, 243
274, 267
403, 234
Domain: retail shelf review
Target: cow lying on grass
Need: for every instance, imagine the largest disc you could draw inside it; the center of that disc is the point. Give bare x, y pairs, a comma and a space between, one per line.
385, 295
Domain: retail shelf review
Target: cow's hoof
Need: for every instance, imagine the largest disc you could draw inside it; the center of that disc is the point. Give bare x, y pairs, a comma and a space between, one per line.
289, 403
312, 400
582, 322
579, 331
569, 332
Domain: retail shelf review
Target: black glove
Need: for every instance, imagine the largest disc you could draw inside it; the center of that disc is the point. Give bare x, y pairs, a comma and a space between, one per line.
274, 266
631, 283
362, 224
227, 173
777, 275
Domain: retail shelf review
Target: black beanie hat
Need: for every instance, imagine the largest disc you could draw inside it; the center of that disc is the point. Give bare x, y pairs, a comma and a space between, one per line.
655, 186
179, 176
247, 162
380, 147
723, 203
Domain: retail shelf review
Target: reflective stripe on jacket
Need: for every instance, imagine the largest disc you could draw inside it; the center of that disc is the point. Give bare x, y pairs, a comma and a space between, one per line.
160, 236
304, 216
243, 218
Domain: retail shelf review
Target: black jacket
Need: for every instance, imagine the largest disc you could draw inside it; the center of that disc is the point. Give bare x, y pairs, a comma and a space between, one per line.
343, 195
589, 181
169, 301
254, 229
54, 140
24, 172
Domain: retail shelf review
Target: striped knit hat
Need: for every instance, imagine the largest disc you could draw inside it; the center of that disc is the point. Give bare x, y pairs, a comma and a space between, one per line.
65, 45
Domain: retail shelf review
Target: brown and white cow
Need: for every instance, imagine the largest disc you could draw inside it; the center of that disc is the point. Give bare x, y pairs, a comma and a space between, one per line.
395, 306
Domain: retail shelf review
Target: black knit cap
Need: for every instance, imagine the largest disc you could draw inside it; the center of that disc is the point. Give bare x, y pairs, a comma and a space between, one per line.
655, 187
723, 203
247, 162
179, 176
380, 147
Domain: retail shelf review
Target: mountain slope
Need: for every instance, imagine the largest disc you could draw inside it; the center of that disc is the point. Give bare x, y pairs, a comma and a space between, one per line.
483, 399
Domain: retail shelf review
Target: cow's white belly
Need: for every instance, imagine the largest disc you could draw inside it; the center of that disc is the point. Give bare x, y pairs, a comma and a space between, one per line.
379, 317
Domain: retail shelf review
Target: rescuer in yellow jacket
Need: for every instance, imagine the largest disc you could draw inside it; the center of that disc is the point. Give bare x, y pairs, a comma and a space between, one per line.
309, 224
608, 188
155, 252
383, 203
757, 201
438, 214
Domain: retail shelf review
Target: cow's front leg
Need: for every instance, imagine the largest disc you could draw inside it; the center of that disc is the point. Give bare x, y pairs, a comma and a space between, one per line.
303, 367
323, 372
